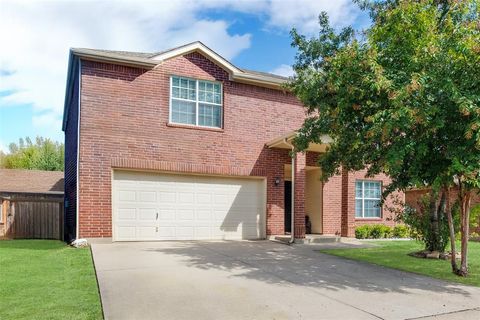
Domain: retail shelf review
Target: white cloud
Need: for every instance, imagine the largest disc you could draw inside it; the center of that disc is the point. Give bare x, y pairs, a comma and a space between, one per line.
36, 37
303, 14
283, 70
46, 120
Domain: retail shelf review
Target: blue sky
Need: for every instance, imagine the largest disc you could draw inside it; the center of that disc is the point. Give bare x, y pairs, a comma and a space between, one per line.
253, 34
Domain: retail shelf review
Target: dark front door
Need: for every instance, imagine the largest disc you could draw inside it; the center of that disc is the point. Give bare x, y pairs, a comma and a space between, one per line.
288, 206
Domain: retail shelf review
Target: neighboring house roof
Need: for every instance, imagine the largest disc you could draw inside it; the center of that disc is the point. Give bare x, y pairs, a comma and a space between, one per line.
31, 181
152, 59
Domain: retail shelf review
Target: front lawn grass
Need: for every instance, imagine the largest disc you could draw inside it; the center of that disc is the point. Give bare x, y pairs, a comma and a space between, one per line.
394, 254
46, 279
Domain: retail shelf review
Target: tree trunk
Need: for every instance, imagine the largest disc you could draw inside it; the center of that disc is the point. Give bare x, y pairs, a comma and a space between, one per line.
440, 214
451, 228
464, 196
434, 241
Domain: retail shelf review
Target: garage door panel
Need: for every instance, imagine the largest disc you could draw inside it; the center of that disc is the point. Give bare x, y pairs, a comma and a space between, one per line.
147, 232
167, 197
204, 214
188, 207
147, 214
166, 214
166, 233
204, 198
185, 214
127, 213
185, 232
127, 195
147, 196
126, 232
203, 232
185, 197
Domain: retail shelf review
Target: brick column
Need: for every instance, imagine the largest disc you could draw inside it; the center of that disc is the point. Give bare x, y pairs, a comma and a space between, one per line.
348, 204
299, 203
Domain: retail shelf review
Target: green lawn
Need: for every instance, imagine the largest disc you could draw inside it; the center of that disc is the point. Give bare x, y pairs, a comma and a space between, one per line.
393, 254
46, 279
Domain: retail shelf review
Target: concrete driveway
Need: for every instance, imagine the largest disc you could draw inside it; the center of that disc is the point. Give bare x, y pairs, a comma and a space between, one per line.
264, 280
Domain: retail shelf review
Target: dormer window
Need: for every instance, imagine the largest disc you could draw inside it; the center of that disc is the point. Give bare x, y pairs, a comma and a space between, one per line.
195, 102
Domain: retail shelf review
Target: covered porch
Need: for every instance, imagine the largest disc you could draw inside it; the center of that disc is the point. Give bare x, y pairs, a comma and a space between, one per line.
303, 189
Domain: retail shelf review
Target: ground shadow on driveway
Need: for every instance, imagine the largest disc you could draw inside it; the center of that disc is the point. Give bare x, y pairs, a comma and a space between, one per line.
262, 280
303, 266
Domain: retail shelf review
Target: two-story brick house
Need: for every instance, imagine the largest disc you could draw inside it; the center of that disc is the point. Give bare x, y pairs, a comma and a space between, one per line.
182, 144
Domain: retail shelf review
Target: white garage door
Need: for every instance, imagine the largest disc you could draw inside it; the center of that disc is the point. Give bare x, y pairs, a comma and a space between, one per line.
150, 206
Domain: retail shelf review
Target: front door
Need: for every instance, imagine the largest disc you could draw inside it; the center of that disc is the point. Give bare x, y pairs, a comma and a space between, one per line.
288, 206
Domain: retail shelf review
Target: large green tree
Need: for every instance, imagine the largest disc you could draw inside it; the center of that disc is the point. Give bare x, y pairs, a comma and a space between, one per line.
43, 154
401, 97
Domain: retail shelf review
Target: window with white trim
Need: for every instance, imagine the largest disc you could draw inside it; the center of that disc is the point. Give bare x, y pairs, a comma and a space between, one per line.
367, 199
195, 102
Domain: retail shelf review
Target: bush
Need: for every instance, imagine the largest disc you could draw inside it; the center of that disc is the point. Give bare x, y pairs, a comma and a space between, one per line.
375, 231
475, 218
362, 232
420, 226
401, 231
387, 231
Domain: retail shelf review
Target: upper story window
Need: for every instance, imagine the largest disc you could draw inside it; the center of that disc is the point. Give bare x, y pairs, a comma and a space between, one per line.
367, 199
195, 102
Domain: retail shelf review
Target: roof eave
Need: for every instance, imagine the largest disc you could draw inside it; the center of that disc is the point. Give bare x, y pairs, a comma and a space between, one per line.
284, 142
250, 78
115, 58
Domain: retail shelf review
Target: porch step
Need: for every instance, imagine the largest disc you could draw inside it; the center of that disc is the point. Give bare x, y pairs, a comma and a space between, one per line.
314, 239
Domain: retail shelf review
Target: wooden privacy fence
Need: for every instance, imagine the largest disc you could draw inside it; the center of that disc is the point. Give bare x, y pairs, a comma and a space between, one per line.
34, 217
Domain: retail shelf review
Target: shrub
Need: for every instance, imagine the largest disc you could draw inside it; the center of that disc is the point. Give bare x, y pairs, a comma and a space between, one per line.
375, 231
387, 231
362, 232
475, 218
401, 231
421, 226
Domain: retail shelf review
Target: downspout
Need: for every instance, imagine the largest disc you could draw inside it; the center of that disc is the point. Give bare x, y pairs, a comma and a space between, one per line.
77, 222
292, 227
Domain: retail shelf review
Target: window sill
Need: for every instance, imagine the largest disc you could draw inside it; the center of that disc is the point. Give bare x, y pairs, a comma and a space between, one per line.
368, 219
187, 126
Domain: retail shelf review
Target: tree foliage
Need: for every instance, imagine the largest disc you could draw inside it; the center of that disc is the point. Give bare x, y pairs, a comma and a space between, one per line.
44, 154
402, 97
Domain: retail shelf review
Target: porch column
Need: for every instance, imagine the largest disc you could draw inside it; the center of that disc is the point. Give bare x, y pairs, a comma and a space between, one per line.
348, 205
299, 193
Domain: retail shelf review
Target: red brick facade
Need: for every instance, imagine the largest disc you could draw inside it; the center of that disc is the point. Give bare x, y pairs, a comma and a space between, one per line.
340, 189
124, 114
413, 199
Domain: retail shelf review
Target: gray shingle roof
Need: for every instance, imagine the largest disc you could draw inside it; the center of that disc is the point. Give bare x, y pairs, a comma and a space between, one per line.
31, 181
121, 53
150, 55
267, 74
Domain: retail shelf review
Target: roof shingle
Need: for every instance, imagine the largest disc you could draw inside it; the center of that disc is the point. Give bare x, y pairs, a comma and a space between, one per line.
31, 181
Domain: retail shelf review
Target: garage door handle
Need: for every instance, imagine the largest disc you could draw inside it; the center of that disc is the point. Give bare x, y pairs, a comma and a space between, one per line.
157, 216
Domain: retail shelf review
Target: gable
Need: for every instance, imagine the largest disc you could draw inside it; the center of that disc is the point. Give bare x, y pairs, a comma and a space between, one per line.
202, 49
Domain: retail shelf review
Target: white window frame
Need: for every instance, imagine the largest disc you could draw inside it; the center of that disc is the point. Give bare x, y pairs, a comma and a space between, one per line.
363, 198
197, 102
1, 211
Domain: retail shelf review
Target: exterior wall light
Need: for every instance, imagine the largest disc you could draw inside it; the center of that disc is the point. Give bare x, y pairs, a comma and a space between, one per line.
277, 181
